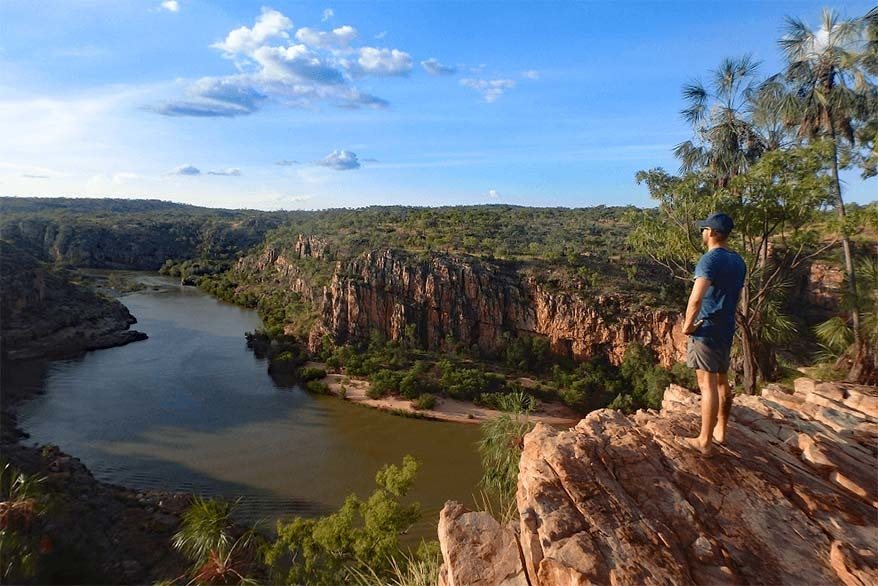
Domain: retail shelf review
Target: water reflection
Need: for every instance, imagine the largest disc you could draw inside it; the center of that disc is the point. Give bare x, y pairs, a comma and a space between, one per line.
192, 409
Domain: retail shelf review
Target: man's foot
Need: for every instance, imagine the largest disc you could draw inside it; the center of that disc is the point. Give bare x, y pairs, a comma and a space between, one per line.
695, 444
719, 436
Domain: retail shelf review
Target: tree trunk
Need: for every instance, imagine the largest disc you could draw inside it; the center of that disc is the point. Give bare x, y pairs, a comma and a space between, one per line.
746, 333
765, 359
749, 362
859, 354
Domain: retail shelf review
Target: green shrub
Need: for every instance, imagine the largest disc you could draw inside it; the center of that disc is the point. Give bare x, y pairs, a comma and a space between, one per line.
409, 386
311, 373
361, 537
384, 382
425, 401
317, 387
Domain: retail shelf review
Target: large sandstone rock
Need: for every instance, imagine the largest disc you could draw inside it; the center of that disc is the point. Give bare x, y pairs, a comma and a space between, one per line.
790, 499
471, 557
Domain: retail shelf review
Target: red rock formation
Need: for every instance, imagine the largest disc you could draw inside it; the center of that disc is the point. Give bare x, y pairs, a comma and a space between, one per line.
463, 299
791, 498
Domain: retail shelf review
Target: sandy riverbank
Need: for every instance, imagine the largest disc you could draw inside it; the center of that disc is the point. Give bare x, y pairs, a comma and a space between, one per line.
445, 410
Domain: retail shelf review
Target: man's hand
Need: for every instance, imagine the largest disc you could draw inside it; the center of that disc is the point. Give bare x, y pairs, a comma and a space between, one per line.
691, 329
699, 288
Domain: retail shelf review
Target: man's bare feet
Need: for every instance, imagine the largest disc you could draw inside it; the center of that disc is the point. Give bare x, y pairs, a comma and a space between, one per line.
719, 436
695, 444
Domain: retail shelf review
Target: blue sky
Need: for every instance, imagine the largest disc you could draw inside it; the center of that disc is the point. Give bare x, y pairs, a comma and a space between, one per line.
417, 103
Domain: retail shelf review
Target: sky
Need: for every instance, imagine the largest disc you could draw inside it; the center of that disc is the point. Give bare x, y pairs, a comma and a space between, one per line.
311, 105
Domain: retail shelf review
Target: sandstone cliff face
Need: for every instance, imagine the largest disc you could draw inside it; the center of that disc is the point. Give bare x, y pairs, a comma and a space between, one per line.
470, 301
44, 315
791, 499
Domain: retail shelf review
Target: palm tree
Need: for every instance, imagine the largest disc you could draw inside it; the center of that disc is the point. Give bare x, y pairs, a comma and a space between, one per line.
206, 538
824, 70
725, 141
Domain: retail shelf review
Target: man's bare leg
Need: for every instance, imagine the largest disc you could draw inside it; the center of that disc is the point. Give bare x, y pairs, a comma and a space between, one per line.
725, 407
707, 382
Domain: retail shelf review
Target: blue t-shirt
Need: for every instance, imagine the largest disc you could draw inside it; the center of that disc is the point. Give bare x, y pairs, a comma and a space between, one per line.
726, 270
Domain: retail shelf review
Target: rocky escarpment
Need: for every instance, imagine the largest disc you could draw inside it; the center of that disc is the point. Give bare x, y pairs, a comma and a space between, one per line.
450, 299
43, 314
791, 499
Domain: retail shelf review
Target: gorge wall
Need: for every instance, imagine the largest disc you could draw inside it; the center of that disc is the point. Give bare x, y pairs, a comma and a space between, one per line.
447, 300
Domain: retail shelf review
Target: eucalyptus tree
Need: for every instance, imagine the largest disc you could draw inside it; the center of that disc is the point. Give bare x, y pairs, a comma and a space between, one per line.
829, 84
725, 142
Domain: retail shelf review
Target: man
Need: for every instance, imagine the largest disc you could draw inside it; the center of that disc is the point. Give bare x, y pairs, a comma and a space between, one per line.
710, 323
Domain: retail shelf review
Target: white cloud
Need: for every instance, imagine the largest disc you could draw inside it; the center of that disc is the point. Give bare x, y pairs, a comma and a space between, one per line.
287, 163
171, 5
188, 170
243, 40
381, 62
340, 161
338, 37
493, 194
327, 14
433, 67
230, 172
216, 96
530, 74
319, 66
381, 35
123, 177
491, 89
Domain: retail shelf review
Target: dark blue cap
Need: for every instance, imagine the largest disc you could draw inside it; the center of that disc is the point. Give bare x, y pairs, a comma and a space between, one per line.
718, 221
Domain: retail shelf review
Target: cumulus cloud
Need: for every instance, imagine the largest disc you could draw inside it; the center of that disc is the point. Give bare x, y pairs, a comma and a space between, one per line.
171, 5
381, 62
381, 35
327, 14
338, 37
186, 170
433, 67
230, 172
270, 24
493, 194
287, 163
491, 89
340, 161
216, 96
530, 74
297, 70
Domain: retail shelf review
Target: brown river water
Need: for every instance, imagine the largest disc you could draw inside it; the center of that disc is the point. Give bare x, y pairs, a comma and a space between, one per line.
192, 409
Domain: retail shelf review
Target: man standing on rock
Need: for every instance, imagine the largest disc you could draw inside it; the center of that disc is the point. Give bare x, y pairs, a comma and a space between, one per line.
710, 325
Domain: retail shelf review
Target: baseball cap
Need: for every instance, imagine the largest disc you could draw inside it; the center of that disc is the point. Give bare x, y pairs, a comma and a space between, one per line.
718, 221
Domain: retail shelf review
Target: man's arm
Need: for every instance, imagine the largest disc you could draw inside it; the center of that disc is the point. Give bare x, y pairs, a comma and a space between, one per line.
699, 289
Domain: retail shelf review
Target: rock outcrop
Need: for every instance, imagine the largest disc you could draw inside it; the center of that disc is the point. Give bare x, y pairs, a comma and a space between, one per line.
451, 299
792, 498
43, 314
98, 533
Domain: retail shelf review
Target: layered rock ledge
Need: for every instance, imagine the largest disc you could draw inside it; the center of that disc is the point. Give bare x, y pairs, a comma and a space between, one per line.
45, 315
792, 498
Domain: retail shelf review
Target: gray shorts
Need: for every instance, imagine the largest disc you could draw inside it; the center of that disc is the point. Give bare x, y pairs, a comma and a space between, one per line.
710, 357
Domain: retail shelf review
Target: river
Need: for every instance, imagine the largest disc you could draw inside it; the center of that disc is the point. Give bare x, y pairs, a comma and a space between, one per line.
192, 409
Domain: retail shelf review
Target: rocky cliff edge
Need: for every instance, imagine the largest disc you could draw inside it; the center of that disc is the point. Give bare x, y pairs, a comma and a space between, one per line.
791, 499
